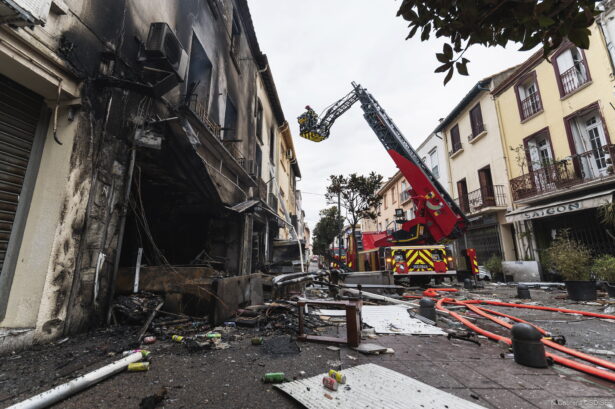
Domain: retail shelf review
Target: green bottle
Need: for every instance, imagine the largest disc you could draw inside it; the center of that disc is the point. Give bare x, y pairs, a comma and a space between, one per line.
273, 377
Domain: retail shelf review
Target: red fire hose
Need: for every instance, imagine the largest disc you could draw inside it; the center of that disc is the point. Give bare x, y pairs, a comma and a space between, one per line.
578, 354
556, 358
433, 292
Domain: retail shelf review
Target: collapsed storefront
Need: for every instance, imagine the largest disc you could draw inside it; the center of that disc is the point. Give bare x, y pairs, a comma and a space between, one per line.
136, 163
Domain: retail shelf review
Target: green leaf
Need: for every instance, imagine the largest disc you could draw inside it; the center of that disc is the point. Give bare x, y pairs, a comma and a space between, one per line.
449, 75
442, 58
448, 51
545, 21
444, 67
425, 33
580, 37
461, 68
412, 31
530, 42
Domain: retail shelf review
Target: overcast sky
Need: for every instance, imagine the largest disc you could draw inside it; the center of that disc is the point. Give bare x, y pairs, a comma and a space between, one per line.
317, 47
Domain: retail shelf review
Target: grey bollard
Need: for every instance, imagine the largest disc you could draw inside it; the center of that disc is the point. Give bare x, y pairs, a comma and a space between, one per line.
523, 292
527, 347
468, 284
427, 309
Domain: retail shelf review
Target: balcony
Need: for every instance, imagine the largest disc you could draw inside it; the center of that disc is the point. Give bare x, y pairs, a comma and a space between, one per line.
404, 197
575, 170
531, 105
262, 190
480, 199
573, 79
478, 129
199, 109
456, 147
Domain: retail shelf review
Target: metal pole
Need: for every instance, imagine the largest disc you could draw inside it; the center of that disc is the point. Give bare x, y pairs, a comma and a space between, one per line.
340, 235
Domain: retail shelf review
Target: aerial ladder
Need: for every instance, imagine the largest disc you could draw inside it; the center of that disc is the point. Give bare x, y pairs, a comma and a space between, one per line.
438, 219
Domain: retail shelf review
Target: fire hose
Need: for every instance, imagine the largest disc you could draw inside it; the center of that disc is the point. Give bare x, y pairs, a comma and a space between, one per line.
556, 358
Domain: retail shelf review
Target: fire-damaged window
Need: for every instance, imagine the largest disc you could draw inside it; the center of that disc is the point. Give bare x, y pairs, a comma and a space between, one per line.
259, 120
271, 145
199, 78
258, 162
230, 120
235, 39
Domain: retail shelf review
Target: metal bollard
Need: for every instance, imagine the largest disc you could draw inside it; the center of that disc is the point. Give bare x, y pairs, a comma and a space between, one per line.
468, 284
427, 308
523, 292
527, 347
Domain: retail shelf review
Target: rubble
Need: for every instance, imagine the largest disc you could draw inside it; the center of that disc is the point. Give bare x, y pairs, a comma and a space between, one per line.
273, 338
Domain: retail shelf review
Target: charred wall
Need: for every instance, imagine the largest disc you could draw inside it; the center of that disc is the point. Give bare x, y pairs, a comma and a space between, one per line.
102, 44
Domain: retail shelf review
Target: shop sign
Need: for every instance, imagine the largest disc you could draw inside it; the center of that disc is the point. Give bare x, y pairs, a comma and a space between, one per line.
553, 210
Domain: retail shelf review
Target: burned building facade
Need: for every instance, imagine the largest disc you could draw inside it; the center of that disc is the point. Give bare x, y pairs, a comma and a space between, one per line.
132, 132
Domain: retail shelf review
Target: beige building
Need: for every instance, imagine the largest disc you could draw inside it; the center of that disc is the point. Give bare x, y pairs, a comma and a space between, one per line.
556, 118
394, 193
477, 171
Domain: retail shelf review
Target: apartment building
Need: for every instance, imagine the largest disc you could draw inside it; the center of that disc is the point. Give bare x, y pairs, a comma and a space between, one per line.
556, 118
477, 170
129, 132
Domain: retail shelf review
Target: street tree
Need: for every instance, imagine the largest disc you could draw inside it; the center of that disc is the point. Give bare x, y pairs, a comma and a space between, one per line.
358, 194
493, 23
327, 228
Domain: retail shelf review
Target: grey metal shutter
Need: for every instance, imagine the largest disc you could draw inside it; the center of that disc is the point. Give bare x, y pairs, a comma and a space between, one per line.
20, 111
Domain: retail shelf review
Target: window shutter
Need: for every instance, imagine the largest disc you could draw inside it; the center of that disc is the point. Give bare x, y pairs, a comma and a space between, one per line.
476, 120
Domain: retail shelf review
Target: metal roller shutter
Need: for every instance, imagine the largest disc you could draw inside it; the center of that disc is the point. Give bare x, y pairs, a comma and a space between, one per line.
19, 115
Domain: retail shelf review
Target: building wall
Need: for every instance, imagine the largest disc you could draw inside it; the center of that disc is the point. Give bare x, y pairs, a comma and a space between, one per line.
391, 193
485, 150
555, 107
479, 152
75, 215
435, 142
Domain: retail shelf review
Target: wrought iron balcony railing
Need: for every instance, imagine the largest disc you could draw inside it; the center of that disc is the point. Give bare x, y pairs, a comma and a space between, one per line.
479, 199
531, 105
572, 79
574, 170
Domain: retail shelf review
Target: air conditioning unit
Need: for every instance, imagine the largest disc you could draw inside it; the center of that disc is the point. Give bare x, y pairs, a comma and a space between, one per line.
164, 51
24, 12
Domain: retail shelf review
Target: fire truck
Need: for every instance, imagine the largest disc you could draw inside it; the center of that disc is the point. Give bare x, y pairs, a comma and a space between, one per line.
438, 219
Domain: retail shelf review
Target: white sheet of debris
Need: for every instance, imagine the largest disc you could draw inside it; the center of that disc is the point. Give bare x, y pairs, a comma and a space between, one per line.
373, 386
394, 319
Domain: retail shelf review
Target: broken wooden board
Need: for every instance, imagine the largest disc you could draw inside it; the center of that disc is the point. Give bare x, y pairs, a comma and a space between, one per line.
372, 386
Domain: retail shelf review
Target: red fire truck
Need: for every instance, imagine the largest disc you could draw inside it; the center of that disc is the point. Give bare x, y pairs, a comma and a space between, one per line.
438, 219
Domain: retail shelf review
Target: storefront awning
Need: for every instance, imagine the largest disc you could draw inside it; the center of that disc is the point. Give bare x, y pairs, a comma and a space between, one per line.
561, 207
